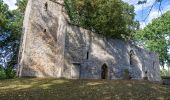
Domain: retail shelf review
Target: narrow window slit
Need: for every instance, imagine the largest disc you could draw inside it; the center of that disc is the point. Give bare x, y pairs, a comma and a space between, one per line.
153, 65
46, 6
87, 55
44, 30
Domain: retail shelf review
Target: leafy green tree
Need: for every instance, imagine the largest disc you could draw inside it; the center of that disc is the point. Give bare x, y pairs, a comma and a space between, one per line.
156, 37
112, 18
18, 15
6, 19
21, 4
10, 32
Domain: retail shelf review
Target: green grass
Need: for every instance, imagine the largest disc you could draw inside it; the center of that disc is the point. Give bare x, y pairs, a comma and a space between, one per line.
56, 89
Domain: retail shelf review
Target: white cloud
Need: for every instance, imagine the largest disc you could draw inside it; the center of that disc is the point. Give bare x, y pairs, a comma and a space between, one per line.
154, 14
11, 4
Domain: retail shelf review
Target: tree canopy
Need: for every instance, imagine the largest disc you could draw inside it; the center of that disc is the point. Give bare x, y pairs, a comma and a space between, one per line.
112, 18
156, 37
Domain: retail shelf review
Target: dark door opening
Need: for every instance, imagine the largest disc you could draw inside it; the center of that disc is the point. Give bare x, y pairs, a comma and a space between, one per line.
104, 72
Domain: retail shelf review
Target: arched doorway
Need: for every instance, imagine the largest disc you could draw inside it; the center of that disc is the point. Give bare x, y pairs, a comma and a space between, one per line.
104, 72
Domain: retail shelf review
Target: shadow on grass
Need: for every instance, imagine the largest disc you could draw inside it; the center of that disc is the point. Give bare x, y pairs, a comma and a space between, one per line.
61, 89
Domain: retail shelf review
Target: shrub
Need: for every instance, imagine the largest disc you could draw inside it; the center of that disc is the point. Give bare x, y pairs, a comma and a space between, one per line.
2, 74
165, 73
10, 73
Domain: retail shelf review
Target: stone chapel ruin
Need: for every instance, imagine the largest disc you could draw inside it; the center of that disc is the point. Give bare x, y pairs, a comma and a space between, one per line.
52, 47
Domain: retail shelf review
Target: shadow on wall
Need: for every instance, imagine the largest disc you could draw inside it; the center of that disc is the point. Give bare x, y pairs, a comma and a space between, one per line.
45, 44
28, 71
135, 65
76, 44
93, 51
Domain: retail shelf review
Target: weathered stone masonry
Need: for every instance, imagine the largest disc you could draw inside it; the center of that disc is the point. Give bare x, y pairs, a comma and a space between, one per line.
51, 47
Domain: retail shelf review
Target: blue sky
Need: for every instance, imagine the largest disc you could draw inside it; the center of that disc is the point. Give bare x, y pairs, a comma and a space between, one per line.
143, 10
140, 10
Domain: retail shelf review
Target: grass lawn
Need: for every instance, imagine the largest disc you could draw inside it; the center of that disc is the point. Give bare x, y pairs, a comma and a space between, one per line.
56, 89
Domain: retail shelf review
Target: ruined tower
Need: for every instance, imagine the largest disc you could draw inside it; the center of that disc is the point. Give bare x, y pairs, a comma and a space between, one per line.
42, 47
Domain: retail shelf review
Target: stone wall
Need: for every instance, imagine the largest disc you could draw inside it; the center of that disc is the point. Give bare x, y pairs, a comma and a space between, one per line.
166, 81
147, 62
86, 53
42, 48
51, 47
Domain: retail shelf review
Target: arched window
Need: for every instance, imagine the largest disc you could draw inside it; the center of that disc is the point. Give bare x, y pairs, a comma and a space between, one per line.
104, 72
131, 56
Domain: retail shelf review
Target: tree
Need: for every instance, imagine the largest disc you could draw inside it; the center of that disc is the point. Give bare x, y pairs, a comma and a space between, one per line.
156, 37
10, 32
112, 18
